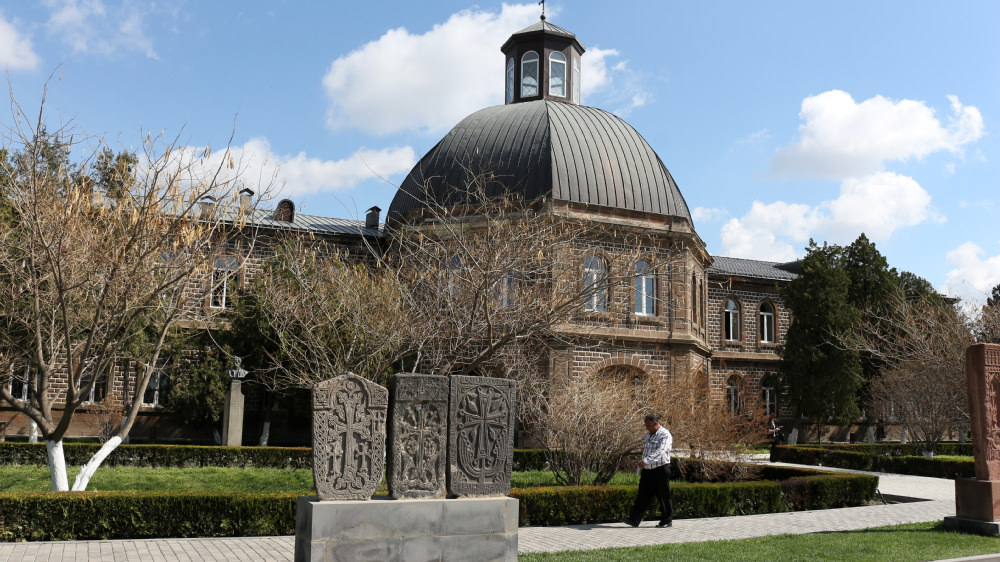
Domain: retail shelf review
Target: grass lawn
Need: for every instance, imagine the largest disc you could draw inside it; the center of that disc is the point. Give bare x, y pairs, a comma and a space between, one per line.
27, 478
918, 541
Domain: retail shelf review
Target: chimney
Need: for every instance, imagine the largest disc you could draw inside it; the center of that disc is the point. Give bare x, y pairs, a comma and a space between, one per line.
285, 211
371, 217
207, 205
246, 199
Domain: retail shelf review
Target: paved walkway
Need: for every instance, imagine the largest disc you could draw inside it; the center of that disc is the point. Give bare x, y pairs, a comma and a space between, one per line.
938, 497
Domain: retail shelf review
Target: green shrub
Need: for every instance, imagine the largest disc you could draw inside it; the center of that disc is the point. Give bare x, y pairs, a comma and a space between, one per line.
894, 457
183, 456
123, 515
526, 460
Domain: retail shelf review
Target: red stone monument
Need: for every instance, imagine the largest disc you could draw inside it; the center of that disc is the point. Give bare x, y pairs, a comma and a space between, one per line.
977, 500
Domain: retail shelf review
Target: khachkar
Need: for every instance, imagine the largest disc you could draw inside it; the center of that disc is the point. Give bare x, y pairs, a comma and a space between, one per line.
977, 500
348, 437
481, 414
418, 432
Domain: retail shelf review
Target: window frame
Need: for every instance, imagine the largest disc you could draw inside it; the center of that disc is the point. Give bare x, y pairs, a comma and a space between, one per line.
561, 84
733, 395
160, 371
530, 69
731, 327
219, 295
510, 80
595, 272
767, 323
576, 79
644, 289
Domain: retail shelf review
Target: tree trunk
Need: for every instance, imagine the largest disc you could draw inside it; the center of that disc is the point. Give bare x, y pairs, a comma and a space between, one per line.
57, 465
33, 431
265, 433
87, 471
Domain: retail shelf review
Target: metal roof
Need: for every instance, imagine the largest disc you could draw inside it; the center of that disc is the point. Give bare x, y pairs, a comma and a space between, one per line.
754, 269
264, 218
542, 27
545, 149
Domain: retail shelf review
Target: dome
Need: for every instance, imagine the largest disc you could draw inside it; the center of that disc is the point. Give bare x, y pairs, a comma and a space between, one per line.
545, 150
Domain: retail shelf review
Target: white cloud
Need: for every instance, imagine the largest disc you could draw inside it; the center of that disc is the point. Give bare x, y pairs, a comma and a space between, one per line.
841, 138
428, 82
258, 167
88, 26
878, 205
973, 277
16, 50
708, 214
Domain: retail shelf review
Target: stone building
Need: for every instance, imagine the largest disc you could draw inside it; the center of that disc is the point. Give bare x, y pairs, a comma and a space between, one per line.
682, 311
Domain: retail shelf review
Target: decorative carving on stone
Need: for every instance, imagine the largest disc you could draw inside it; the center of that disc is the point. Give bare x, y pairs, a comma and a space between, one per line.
481, 414
418, 436
983, 371
349, 415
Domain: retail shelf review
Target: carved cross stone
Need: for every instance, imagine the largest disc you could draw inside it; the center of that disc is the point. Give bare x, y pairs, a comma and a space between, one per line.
349, 415
481, 414
418, 433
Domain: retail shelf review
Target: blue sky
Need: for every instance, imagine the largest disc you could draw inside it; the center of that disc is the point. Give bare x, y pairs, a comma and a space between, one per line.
780, 121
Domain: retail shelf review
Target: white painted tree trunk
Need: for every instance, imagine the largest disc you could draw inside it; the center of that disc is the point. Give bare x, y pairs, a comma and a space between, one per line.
57, 465
265, 434
87, 471
33, 432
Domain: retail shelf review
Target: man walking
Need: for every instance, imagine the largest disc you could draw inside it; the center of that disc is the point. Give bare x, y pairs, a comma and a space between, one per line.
654, 474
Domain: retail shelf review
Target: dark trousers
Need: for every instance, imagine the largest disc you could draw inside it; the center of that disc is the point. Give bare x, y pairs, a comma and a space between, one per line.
654, 482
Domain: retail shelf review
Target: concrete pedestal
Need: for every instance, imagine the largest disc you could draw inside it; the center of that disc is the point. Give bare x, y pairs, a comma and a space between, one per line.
416, 529
977, 507
232, 418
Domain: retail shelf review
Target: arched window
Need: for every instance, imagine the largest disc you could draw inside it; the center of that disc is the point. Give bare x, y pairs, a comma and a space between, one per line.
225, 281
767, 323
510, 80
731, 320
733, 395
557, 74
769, 396
644, 289
529, 74
576, 80
595, 279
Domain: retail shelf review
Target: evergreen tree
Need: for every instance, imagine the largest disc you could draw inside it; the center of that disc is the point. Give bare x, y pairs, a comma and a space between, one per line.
821, 378
872, 284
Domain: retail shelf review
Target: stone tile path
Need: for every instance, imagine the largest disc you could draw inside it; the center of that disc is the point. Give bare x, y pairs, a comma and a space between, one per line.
938, 495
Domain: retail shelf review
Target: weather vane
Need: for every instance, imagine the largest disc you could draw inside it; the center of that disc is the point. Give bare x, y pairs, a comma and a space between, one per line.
542, 2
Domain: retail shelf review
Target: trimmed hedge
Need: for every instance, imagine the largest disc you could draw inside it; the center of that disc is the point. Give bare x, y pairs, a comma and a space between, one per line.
48, 516
183, 456
124, 515
573, 505
190, 456
876, 459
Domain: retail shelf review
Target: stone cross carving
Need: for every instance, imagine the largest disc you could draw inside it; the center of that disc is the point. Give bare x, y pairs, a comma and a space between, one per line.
349, 414
983, 371
481, 414
418, 415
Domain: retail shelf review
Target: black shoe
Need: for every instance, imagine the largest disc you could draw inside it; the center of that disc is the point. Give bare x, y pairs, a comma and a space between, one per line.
630, 523
662, 525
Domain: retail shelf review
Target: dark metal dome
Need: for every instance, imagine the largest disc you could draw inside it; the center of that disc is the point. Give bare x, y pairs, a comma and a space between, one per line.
544, 149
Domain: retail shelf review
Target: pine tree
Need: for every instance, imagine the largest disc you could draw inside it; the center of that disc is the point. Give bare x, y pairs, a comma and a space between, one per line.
821, 378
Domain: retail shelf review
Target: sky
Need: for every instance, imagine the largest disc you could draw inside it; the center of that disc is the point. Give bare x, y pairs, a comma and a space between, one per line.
780, 121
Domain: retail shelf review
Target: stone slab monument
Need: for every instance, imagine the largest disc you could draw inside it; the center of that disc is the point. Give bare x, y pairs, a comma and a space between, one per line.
348, 437
977, 500
418, 436
481, 416
472, 418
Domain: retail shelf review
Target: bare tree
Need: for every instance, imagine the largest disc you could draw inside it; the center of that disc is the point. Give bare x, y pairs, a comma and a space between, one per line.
95, 278
922, 340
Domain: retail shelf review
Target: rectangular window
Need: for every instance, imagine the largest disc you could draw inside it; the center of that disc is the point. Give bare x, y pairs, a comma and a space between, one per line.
645, 292
158, 390
225, 281
99, 390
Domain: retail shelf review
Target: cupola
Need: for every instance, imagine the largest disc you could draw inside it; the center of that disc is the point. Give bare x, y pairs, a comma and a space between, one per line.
542, 62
